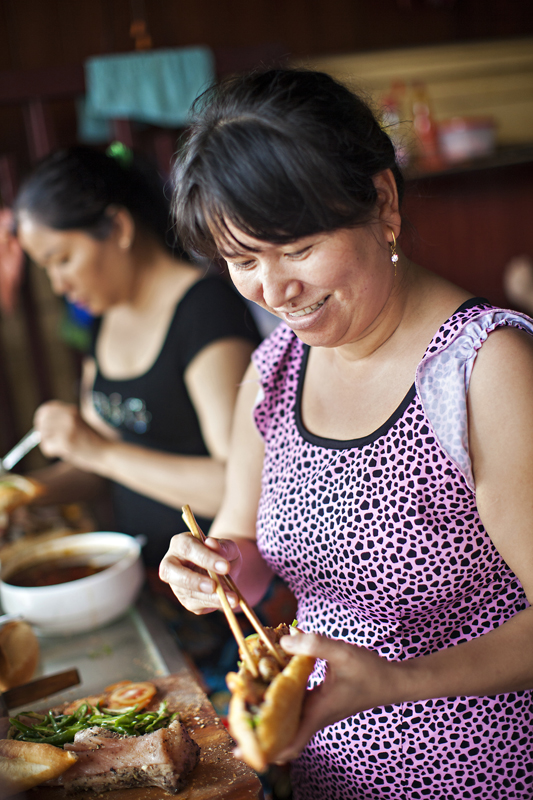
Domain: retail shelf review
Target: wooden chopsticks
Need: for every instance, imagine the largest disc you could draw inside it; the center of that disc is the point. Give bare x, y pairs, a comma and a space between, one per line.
226, 580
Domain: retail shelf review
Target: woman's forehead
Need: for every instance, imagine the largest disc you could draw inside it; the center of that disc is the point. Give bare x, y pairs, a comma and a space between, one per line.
28, 227
230, 240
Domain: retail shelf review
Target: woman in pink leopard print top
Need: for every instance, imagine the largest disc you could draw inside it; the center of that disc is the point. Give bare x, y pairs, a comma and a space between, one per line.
382, 458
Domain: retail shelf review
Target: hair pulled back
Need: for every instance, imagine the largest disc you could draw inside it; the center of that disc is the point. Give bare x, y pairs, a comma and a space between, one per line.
72, 189
280, 154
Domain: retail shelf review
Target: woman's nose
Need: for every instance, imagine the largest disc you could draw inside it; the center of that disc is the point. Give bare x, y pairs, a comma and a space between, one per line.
278, 287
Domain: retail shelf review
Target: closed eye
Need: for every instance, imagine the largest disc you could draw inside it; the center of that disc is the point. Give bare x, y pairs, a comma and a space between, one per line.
300, 253
241, 264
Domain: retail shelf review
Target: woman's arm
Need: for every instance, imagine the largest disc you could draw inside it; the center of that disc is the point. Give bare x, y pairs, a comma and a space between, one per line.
212, 378
501, 446
187, 559
65, 483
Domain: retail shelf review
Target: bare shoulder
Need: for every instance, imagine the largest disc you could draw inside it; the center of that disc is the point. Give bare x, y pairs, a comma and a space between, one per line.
500, 395
500, 427
505, 359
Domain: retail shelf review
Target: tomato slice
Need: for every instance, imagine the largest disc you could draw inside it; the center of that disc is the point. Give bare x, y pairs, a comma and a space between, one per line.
113, 686
132, 694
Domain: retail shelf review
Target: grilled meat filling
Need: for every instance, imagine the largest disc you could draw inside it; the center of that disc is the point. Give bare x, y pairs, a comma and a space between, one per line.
253, 689
107, 760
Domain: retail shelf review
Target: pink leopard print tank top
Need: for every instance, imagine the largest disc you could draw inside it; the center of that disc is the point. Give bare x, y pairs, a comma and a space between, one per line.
381, 542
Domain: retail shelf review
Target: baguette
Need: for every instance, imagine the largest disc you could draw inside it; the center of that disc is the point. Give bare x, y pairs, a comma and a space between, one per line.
19, 653
264, 713
24, 765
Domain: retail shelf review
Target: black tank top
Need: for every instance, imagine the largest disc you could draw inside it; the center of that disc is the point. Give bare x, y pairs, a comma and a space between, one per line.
155, 411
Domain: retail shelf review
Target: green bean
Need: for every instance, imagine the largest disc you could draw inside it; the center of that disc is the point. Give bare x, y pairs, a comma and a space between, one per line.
53, 721
64, 736
20, 725
61, 728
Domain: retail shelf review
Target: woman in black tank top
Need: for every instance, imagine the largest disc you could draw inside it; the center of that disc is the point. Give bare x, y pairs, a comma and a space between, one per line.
170, 347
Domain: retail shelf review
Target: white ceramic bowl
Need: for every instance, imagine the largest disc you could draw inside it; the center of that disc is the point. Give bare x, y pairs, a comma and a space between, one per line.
83, 604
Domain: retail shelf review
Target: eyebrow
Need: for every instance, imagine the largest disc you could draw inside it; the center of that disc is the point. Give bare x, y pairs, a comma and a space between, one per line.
232, 254
238, 253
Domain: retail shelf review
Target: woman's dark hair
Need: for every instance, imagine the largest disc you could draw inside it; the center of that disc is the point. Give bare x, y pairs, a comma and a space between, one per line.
72, 189
280, 154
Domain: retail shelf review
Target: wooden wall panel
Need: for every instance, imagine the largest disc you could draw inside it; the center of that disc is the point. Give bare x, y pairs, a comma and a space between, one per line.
44, 32
469, 225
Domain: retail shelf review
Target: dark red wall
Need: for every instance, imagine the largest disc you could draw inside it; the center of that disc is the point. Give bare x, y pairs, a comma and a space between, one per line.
469, 225
46, 33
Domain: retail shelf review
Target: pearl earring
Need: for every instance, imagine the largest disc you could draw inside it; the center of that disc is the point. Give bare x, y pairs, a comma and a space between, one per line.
393, 254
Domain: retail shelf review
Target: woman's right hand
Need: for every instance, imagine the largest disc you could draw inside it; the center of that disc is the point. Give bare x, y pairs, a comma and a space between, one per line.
185, 568
65, 435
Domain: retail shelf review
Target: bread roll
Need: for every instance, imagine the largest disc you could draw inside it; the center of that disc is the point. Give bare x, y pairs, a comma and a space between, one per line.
263, 735
264, 714
19, 654
16, 490
25, 764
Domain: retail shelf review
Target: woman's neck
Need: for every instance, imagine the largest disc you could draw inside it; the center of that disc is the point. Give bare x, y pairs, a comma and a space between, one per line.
390, 319
154, 272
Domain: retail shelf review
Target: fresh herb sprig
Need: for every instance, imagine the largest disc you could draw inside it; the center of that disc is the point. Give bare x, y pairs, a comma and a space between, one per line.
61, 728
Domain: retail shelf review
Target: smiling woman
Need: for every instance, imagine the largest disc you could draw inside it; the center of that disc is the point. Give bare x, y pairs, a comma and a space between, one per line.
170, 346
317, 284
384, 467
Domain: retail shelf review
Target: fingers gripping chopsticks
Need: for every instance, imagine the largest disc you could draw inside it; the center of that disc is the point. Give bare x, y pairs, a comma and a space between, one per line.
222, 583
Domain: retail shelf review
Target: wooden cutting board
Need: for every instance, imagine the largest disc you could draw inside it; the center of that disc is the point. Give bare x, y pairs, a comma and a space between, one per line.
218, 773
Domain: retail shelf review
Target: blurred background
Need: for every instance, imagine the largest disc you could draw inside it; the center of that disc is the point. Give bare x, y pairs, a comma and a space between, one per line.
453, 80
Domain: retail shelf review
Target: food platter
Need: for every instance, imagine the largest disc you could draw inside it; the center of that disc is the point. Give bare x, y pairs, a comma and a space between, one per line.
139, 647
217, 775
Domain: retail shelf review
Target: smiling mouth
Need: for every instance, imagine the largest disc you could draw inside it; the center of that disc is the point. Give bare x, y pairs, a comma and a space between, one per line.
309, 310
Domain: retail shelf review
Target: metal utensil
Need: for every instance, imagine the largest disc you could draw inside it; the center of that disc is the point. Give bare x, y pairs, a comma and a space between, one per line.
26, 444
37, 689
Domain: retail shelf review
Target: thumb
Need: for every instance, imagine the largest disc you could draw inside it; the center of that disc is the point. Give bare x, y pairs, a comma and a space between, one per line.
226, 548
306, 644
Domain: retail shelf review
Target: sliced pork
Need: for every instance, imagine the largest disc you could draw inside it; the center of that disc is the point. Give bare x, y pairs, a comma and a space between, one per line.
107, 760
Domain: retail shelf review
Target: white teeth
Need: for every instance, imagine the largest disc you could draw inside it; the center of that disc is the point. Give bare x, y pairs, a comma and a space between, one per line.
307, 310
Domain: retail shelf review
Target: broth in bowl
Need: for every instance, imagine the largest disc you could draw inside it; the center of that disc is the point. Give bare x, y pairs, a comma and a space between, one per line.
53, 571
74, 583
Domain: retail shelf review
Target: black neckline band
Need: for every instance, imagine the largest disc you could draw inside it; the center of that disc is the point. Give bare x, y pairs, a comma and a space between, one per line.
347, 444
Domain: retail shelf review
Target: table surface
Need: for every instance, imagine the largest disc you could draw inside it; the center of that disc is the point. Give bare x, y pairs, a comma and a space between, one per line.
124, 649
139, 647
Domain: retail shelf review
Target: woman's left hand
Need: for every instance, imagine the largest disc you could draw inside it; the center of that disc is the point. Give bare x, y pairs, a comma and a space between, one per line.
356, 679
65, 435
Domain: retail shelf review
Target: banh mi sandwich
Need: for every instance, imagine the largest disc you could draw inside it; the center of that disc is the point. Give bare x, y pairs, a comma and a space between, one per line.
264, 712
24, 765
